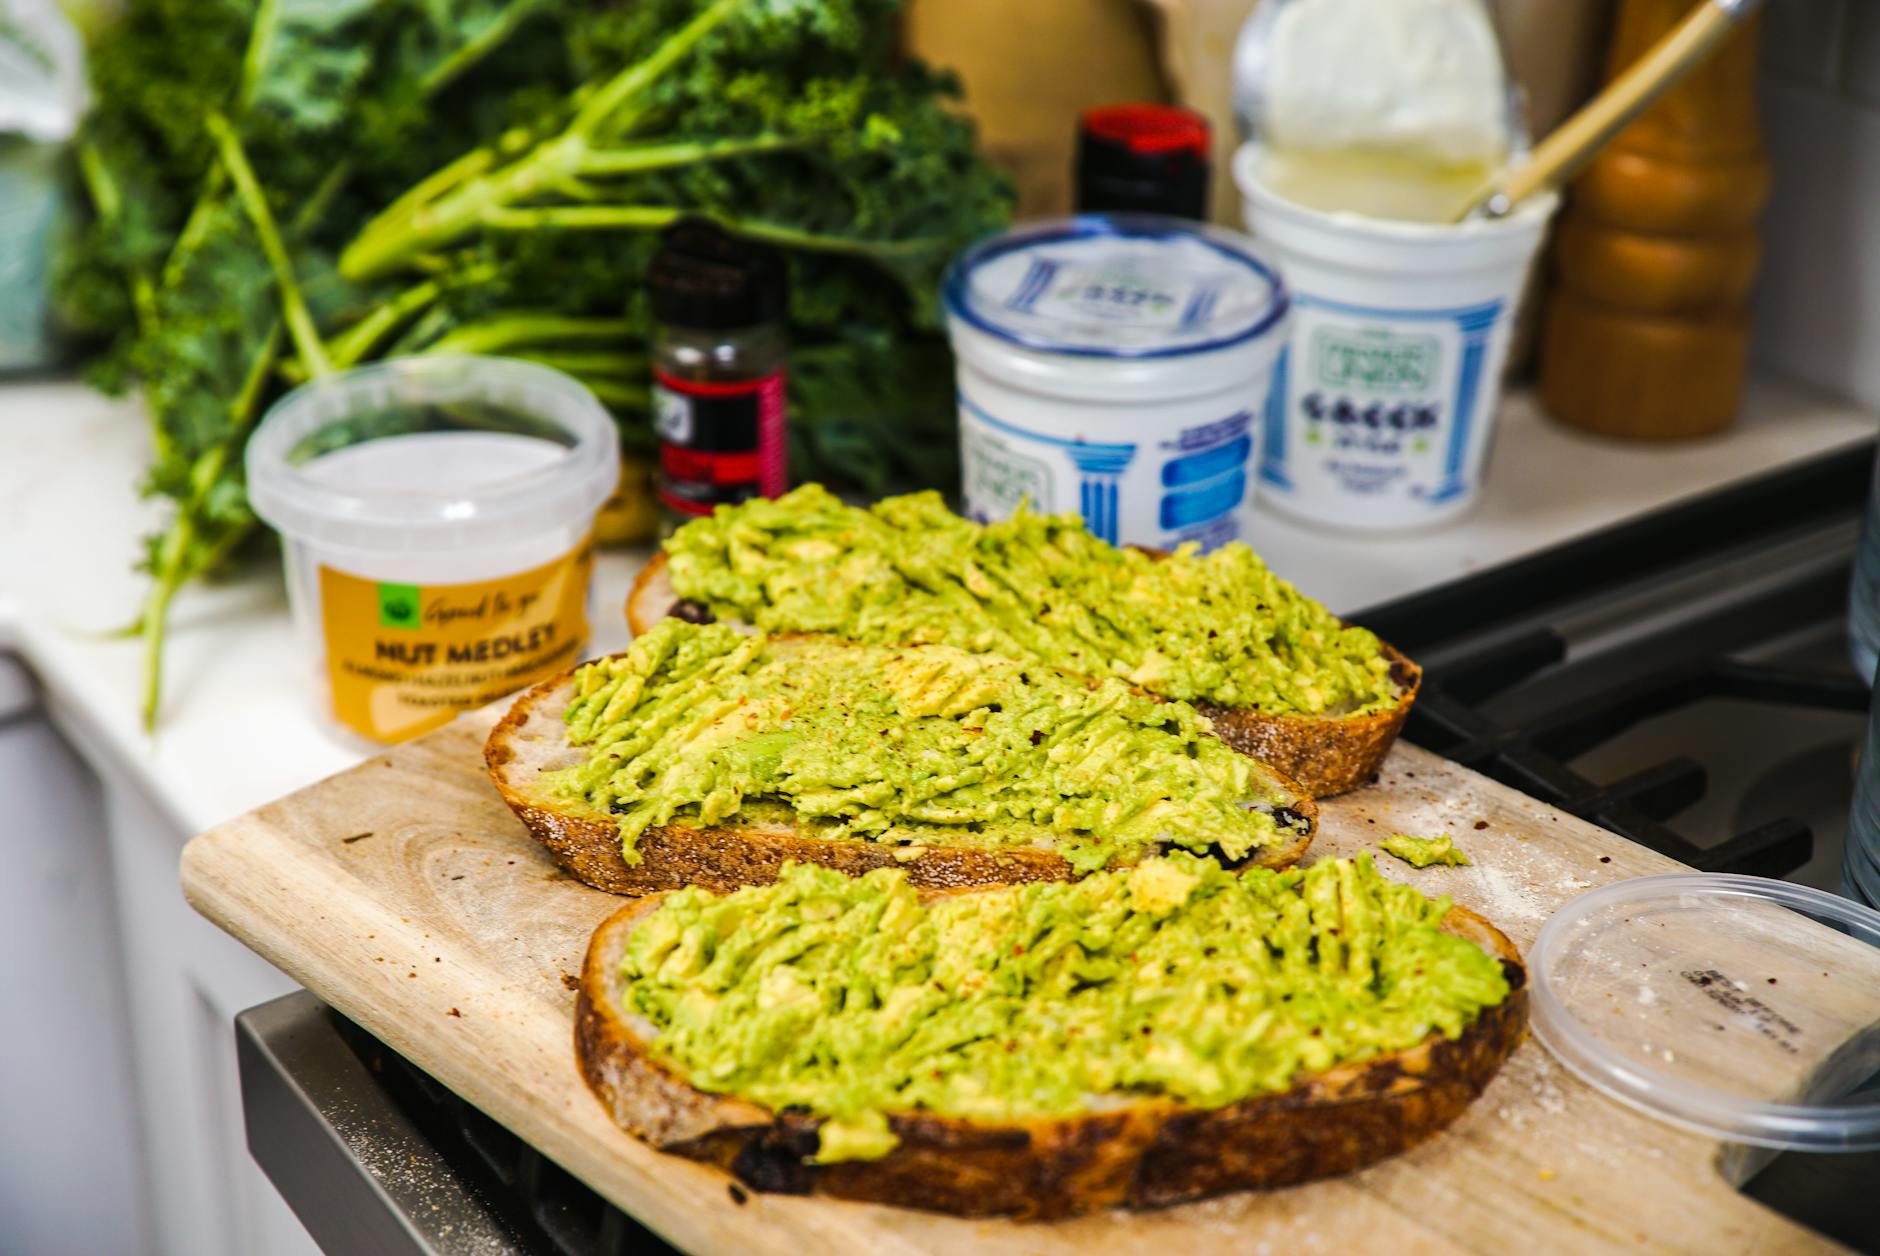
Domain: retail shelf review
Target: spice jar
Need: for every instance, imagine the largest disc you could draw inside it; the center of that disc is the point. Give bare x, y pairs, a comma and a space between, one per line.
719, 353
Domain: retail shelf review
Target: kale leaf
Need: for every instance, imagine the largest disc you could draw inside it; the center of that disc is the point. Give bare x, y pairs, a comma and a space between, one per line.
488, 176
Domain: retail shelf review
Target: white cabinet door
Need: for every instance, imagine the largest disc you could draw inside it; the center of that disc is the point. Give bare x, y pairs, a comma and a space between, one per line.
187, 980
68, 1115
120, 1106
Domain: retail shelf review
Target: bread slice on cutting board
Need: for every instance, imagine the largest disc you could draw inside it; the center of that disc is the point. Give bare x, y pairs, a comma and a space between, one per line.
1325, 754
1140, 1150
530, 743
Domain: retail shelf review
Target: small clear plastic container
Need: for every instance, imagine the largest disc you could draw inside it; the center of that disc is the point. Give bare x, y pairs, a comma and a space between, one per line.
1740, 1007
435, 517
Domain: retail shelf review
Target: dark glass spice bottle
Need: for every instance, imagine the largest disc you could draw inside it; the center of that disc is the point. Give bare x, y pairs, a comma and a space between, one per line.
1142, 159
719, 355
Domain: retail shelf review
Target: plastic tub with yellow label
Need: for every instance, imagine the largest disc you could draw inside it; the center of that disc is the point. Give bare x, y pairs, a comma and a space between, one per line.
435, 515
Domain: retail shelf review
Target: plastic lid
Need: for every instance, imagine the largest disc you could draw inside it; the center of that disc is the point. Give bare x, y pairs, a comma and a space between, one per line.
1143, 158
1736, 1006
42, 71
434, 500
1117, 286
705, 278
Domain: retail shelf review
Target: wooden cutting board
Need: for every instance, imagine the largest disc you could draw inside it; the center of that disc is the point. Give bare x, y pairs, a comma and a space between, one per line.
405, 894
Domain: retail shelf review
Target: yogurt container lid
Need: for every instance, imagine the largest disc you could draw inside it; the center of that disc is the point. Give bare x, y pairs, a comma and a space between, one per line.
429, 505
1116, 286
1735, 1006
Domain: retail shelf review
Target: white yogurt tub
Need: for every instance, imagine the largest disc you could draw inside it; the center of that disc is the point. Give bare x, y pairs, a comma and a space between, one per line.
1115, 367
1383, 403
435, 516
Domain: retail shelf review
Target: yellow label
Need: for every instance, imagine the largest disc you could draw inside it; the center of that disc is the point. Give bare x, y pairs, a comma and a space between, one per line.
402, 659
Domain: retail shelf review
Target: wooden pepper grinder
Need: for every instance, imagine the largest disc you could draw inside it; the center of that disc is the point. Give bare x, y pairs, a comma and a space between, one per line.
1647, 330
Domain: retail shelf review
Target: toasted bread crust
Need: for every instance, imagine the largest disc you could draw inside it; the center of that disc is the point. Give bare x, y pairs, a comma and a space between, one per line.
1148, 1155
724, 857
1326, 755
651, 598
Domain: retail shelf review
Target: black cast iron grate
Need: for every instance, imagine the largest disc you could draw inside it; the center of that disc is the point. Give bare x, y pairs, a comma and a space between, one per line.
1533, 755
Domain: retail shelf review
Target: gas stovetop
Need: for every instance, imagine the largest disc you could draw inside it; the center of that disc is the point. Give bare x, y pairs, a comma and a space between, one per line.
1682, 680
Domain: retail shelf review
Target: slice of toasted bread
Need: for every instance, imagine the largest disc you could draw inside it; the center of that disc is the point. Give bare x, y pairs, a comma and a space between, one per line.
1141, 1155
1326, 754
530, 740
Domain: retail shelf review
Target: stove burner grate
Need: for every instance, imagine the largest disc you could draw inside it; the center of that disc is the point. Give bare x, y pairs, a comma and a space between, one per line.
1532, 755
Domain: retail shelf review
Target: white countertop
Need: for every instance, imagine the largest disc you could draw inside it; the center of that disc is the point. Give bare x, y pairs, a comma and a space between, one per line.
237, 729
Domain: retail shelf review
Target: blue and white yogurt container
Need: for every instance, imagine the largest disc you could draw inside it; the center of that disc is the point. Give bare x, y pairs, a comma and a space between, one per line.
1115, 367
1384, 402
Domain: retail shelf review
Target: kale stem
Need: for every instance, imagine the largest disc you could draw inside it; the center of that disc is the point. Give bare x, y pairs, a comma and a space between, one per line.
369, 332
181, 561
99, 184
609, 161
582, 217
576, 189
586, 363
208, 558
451, 68
173, 567
260, 39
363, 336
106, 198
299, 322
195, 227
506, 331
633, 80
469, 166
655, 217
108, 201
611, 392
386, 243
457, 199
315, 206
165, 581
817, 242
442, 75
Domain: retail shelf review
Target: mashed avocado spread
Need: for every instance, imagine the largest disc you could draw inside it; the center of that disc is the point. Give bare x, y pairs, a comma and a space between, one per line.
1173, 980
1217, 627
907, 745
1421, 852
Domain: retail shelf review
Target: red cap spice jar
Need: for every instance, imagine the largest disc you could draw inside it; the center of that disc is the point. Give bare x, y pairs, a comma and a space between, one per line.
719, 353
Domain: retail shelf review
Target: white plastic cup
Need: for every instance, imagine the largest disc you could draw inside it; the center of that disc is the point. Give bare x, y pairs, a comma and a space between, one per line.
434, 517
1115, 367
1383, 403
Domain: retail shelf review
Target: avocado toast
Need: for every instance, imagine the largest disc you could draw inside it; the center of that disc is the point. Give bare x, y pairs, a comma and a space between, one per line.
1141, 1037
707, 756
1283, 679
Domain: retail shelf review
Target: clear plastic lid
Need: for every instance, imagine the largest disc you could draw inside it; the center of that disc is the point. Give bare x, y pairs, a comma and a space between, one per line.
42, 71
430, 453
1740, 1007
1117, 286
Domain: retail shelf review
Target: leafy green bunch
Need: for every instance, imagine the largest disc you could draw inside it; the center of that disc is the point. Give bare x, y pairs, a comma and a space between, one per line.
282, 188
